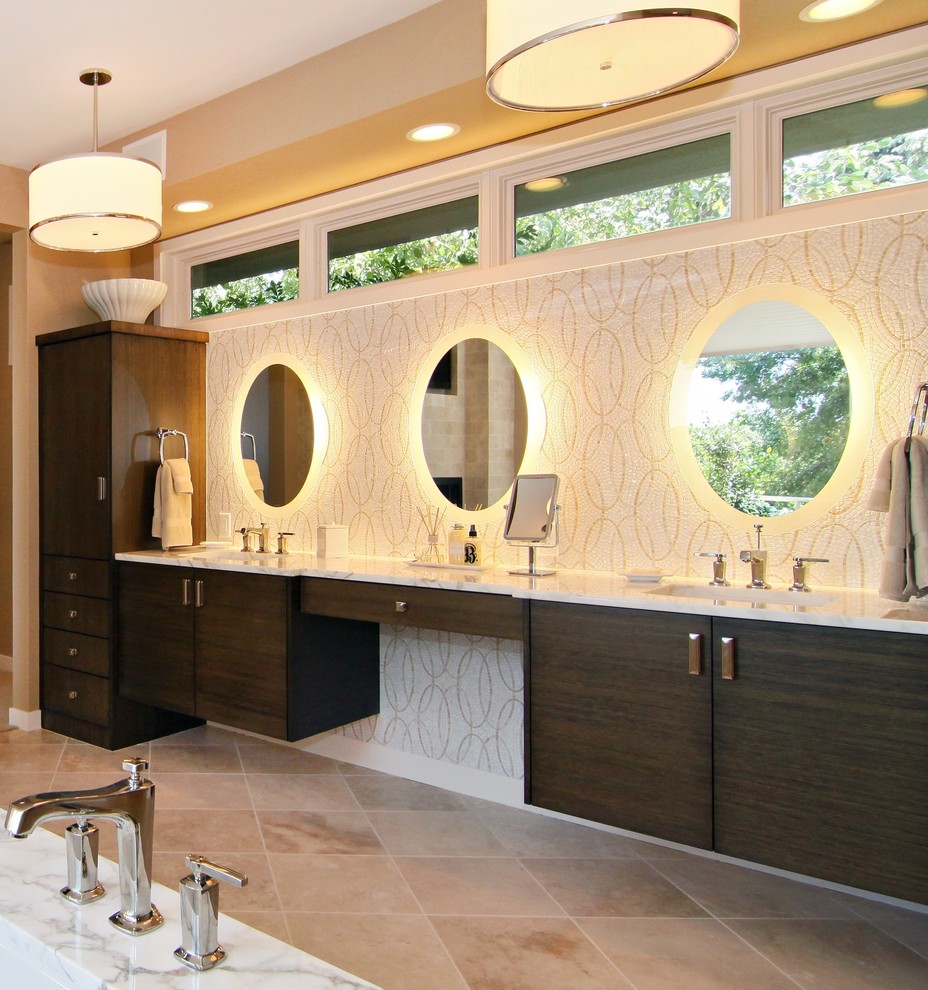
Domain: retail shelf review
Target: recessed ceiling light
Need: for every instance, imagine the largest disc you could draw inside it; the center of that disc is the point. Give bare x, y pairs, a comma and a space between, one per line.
433, 132
547, 184
193, 206
834, 10
901, 98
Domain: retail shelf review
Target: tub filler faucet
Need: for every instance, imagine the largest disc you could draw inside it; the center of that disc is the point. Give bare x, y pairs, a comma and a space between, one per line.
130, 803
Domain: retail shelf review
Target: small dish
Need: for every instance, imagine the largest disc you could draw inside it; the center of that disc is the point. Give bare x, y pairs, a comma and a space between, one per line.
643, 575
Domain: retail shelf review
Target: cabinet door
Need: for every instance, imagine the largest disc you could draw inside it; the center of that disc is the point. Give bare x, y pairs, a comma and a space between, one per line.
619, 728
74, 438
821, 753
156, 636
241, 643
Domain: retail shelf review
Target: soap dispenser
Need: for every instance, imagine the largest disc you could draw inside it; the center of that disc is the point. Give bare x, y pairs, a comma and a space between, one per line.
456, 544
473, 548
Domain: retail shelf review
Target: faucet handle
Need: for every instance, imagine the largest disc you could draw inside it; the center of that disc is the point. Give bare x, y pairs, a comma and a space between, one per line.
718, 567
282, 546
199, 912
135, 766
799, 571
203, 867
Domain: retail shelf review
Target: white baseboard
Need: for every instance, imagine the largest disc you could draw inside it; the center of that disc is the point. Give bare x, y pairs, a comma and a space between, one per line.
28, 721
463, 780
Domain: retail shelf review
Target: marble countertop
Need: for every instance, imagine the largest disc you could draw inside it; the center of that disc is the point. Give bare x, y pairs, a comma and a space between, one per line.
79, 949
853, 608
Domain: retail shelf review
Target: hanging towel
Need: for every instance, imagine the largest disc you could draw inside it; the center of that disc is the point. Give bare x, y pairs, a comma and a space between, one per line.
901, 491
253, 474
173, 506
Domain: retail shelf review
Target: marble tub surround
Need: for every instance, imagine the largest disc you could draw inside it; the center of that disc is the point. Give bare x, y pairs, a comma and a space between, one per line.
416, 888
78, 947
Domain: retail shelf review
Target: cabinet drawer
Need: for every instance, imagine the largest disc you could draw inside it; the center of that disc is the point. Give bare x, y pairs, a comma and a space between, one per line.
77, 576
76, 613
78, 695
473, 613
70, 649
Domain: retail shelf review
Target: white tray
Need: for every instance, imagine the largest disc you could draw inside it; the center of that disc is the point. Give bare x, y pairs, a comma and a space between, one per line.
450, 567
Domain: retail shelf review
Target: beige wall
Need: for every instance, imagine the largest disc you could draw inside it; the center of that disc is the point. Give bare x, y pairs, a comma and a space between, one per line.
6, 456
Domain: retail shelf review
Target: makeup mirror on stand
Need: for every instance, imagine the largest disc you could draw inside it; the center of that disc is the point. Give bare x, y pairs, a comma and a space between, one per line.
531, 517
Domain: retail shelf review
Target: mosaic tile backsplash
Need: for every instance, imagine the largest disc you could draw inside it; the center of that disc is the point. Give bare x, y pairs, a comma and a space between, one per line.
604, 343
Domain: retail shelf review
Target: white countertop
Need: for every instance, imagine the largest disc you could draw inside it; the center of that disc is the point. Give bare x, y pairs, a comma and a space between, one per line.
76, 947
852, 608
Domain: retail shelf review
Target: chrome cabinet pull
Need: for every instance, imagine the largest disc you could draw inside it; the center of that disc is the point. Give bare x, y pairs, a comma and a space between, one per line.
728, 658
72, 695
72, 652
72, 613
72, 575
101, 489
185, 599
198, 595
696, 654
402, 606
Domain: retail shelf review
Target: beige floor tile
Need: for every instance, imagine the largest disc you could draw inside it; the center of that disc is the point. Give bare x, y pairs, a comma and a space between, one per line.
528, 954
353, 770
682, 954
202, 790
15, 785
836, 955
473, 886
625, 888
22, 757
320, 832
206, 832
397, 952
434, 833
342, 884
268, 758
526, 833
201, 735
909, 927
396, 794
728, 891
259, 894
298, 792
273, 923
207, 758
35, 738
83, 758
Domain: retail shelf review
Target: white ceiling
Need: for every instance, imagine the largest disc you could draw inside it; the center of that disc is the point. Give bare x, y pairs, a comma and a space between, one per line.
165, 57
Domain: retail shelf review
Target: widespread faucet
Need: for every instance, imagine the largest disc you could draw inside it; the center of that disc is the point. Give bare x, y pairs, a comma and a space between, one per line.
718, 568
758, 561
263, 534
130, 803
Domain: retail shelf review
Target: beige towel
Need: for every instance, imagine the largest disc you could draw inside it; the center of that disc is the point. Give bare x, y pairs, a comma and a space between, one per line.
173, 506
253, 474
918, 513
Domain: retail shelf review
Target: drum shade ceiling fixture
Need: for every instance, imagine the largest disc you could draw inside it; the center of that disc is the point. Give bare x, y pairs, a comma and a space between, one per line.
590, 54
99, 201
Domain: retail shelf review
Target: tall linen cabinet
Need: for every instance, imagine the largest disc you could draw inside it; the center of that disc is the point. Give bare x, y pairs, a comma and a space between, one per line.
104, 390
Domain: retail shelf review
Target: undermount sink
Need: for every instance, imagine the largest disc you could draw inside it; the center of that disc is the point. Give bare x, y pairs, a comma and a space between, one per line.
756, 596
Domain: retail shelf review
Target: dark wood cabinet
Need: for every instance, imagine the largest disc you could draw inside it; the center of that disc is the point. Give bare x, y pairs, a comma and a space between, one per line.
104, 390
236, 649
620, 719
821, 753
801, 747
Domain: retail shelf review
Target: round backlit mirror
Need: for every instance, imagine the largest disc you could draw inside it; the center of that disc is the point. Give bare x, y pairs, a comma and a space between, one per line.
772, 407
279, 434
480, 419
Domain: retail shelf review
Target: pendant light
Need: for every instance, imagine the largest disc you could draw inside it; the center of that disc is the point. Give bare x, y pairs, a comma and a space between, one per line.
590, 54
98, 201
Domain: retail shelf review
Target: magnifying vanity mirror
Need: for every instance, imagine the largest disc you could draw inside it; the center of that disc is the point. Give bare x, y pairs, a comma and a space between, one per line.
279, 434
531, 516
480, 420
771, 408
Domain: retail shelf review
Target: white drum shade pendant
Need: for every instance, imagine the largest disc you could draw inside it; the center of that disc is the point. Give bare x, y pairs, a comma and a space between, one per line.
589, 54
97, 201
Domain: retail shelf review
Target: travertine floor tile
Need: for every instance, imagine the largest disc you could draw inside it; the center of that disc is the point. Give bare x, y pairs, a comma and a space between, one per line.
259, 894
296, 792
22, 757
527, 954
18, 784
321, 833
269, 758
195, 759
81, 757
396, 794
201, 790
209, 735
434, 833
682, 954
207, 832
341, 884
836, 955
398, 952
474, 886
625, 888
273, 923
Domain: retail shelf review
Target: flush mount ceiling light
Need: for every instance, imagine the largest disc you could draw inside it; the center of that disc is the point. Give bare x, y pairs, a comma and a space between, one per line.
97, 201
193, 206
834, 10
433, 132
589, 54
549, 183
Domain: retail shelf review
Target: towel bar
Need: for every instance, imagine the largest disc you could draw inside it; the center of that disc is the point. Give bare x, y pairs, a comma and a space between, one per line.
254, 446
162, 433
920, 393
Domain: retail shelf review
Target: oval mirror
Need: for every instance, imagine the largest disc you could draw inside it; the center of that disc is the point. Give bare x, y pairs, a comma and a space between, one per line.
279, 434
776, 410
479, 420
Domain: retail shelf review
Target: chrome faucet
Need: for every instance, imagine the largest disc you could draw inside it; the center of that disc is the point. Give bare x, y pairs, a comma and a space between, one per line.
758, 561
799, 571
263, 534
130, 803
718, 568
